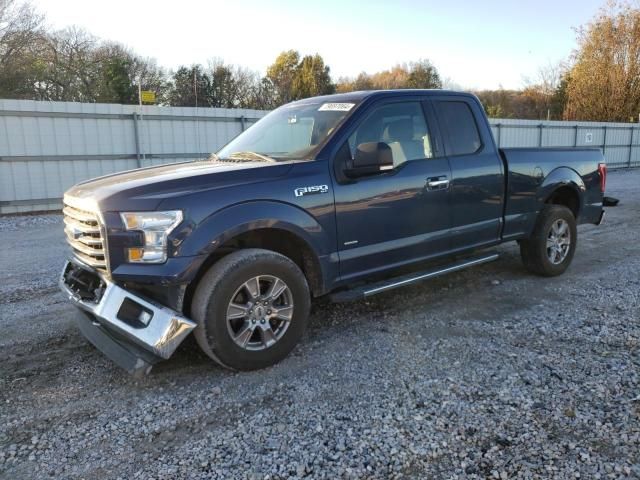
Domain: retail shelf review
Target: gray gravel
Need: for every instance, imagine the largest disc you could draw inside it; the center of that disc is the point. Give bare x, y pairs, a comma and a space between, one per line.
488, 373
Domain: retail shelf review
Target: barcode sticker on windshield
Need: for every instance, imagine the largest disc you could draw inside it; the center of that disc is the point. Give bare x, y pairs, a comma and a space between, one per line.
336, 107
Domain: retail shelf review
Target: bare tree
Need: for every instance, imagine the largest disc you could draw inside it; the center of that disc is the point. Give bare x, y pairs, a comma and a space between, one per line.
20, 26
540, 95
71, 69
231, 85
246, 84
21, 32
548, 78
263, 95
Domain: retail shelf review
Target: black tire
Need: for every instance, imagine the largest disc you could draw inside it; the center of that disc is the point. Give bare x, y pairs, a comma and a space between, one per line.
219, 286
534, 251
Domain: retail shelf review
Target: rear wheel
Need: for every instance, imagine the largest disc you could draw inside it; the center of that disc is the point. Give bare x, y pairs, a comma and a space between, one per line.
251, 308
550, 249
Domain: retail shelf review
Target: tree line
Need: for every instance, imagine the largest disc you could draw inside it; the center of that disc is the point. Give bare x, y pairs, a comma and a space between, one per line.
73, 65
599, 81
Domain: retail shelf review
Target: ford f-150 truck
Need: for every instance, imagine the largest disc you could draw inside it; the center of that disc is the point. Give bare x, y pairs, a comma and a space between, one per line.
345, 195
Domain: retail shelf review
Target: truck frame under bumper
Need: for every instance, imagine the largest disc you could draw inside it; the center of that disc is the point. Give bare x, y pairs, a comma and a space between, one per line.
133, 331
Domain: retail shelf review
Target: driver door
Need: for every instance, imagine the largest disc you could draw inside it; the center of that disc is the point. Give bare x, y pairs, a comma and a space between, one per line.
394, 217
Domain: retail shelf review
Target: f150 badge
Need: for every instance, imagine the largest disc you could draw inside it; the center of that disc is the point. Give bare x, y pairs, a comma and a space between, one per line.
310, 190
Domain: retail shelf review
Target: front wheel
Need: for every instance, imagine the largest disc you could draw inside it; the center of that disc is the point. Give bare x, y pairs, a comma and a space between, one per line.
549, 250
251, 308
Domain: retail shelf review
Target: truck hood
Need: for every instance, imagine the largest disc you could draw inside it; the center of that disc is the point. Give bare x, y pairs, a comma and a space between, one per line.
145, 188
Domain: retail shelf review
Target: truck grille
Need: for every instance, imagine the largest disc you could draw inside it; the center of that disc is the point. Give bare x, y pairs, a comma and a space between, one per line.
84, 234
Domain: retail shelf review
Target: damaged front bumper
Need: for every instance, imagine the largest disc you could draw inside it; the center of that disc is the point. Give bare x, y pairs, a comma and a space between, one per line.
133, 331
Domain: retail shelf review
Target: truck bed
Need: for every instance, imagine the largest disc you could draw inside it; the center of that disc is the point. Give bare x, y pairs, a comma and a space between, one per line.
531, 170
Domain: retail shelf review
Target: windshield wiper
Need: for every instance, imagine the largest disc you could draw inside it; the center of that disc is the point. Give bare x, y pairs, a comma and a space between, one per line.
248, 157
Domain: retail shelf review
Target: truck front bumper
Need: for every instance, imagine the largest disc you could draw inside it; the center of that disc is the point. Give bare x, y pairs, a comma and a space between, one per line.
135, 332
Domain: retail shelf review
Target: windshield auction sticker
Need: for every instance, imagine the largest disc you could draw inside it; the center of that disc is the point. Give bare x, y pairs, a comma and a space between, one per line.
336, 107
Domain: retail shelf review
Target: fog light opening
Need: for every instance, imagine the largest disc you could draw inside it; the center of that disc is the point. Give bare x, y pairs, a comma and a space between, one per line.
134, 314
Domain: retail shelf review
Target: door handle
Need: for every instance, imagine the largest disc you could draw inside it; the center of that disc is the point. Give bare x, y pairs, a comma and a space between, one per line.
437, 183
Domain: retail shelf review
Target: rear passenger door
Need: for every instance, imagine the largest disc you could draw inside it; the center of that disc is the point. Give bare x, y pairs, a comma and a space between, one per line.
477, 179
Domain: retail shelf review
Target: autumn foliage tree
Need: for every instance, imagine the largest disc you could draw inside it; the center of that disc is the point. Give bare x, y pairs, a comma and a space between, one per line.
420, 74
604, 82
282, 74
294, 78
312, 78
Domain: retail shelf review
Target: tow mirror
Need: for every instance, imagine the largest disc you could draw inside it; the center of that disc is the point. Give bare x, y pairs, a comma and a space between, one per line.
370, 158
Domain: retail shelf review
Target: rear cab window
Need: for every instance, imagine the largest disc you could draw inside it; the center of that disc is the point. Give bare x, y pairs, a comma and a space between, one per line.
459, 127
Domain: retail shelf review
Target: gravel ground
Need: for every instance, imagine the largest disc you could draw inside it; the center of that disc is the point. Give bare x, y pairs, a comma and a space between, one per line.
525, 378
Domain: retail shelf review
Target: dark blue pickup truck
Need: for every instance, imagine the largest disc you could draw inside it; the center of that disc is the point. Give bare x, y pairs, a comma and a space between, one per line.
345, 195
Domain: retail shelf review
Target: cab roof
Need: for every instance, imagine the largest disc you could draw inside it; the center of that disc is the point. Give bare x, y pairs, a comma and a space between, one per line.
361, 95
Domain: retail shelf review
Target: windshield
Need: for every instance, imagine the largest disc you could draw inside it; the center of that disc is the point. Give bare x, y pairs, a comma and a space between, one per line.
293, 131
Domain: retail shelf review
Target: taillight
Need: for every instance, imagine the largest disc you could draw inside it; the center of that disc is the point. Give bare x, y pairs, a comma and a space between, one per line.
602, 171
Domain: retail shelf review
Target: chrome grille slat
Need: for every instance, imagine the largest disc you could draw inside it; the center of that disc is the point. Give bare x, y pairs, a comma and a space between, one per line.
86, 249
80, 215
87, 240
81, 226
84, 236
87, 260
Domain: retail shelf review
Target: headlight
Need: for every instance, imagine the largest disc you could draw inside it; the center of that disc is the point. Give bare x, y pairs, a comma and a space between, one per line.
155, 226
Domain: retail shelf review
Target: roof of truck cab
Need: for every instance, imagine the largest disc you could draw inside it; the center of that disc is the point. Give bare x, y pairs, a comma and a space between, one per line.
364, 94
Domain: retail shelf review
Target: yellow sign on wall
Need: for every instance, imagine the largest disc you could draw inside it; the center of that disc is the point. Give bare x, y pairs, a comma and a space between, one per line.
147, 96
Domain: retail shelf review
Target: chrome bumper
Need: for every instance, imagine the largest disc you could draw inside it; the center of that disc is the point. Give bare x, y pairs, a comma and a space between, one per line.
157, 329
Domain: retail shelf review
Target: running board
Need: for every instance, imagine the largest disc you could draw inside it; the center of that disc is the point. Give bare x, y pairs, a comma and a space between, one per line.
372, 289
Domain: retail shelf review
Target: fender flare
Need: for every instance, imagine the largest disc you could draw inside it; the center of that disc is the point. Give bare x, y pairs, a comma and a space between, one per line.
243, 217
240, 218
558, 178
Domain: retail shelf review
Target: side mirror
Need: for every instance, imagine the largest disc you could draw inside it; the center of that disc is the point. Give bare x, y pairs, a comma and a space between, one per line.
370, 158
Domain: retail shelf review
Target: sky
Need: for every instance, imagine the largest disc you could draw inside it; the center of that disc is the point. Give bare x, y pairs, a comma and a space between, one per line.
475, 44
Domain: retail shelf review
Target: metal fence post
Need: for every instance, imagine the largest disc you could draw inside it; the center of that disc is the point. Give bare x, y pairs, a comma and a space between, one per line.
498, 125
540, 127
630, 147
242, 122
575, 136
604, 144
137, 138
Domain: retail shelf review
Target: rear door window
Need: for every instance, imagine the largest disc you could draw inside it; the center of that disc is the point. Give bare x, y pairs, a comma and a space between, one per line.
459, 126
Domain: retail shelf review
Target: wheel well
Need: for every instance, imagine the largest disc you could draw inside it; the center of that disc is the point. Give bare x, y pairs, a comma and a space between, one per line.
566, 196
281, 241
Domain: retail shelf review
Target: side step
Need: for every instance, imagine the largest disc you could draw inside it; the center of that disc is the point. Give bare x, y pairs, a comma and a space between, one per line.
373, 288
